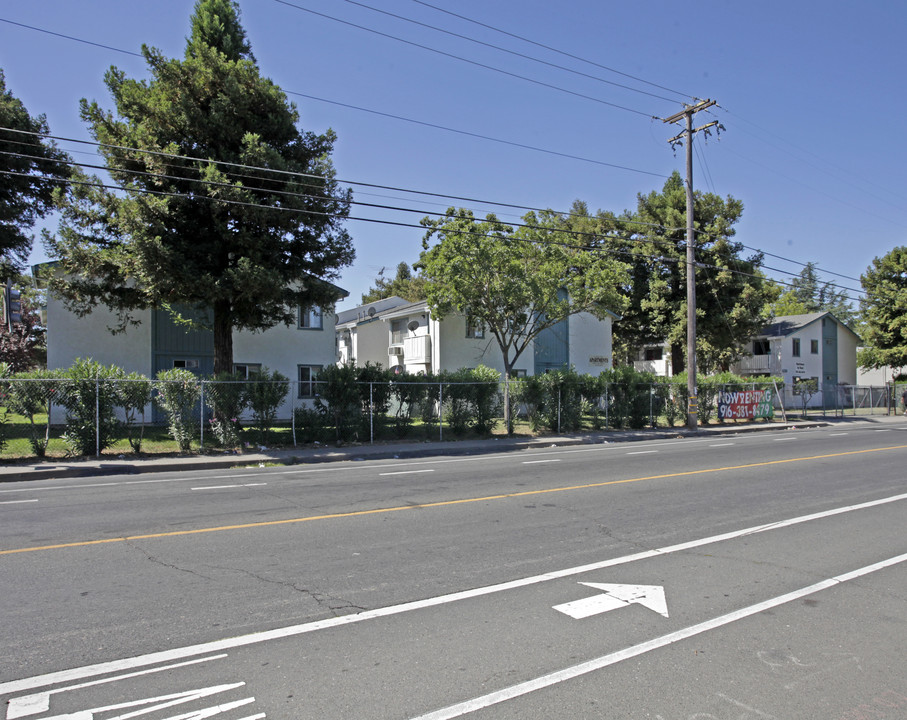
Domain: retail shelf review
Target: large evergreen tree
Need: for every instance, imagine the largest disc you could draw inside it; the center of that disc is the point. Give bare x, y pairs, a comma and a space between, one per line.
808, 294
222, 204
404, 284
731, 292
30, 166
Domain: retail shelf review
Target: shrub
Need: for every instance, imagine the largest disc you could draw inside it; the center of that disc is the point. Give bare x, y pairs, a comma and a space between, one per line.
554, 400
310, 425
375, 394
411, 394
90, 402
672, 396
629, 401
178, 396
226, 398
264, 394
134, 394
30, 394
456, 393
338, 399
487, 401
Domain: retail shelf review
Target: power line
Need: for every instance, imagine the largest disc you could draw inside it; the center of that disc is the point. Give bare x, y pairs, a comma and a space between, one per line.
587, 248
70, 37
465, 60
477, 135
392, 116
292, 175
506, 50
354, 183
554, 50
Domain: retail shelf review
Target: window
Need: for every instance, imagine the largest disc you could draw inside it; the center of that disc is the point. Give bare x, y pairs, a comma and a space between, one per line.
762, 347
518, 373
795, 347
306, 378
814, 347
474, 328
187, 364
398, 331
653, 353
246, 370
311, 318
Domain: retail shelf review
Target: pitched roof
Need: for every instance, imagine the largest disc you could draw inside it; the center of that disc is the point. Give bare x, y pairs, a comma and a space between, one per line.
369, 310
785, 325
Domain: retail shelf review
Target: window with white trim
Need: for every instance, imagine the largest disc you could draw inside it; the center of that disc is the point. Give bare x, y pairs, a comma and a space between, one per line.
474, 328
246, 370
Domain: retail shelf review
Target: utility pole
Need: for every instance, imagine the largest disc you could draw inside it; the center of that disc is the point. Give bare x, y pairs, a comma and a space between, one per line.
692, 392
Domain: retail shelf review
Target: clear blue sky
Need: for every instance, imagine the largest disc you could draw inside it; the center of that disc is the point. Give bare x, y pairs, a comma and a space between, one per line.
811, 94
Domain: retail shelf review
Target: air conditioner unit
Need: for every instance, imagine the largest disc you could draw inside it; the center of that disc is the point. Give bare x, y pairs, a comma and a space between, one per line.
397, 351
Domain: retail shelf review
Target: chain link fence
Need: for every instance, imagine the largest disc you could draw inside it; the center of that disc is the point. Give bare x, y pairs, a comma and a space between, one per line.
89, 416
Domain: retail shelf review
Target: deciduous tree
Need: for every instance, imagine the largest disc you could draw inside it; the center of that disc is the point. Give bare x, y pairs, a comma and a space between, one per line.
885, 311
517, 282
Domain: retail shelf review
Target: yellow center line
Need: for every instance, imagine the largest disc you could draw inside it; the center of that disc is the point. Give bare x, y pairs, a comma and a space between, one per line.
443, 503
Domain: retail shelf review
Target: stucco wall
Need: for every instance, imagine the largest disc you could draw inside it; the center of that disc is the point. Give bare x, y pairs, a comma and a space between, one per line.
70, 337
847, 357
459, 351
590, 344
807, 365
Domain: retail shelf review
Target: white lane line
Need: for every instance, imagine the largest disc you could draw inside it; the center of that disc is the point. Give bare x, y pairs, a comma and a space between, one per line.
16, 686
836, 434
16, 502
570, 673
883, 430
25, 705
784, 439
642, 452
538, 462
405, 472
227, 487
722, 444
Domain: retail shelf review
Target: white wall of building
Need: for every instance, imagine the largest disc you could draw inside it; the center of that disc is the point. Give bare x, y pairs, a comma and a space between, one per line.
70, 337
590, 343
459, 351
847, 357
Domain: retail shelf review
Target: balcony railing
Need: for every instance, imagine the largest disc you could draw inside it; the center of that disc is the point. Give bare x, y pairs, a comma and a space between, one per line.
754, 363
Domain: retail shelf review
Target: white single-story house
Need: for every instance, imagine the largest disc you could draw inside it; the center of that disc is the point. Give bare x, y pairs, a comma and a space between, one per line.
157, 343
405, 335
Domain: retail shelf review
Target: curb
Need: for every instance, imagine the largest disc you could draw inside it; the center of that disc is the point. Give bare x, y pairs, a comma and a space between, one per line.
370, 452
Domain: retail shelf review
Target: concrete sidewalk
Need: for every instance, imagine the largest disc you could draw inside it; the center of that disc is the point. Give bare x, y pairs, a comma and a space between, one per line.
126, 465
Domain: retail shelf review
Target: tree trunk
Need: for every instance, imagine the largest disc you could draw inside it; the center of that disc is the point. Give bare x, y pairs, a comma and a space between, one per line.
508, 421
678, 361
223, 338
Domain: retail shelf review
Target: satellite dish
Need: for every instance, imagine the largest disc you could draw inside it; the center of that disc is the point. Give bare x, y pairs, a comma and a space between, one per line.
413, 325
371, 312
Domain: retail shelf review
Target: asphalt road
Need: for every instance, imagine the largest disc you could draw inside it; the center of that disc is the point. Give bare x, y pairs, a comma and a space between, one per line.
739, 577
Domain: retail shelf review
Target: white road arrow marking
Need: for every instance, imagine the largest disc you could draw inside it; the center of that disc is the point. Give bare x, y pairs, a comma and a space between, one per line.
616, 596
